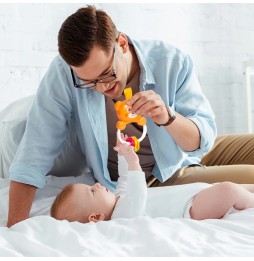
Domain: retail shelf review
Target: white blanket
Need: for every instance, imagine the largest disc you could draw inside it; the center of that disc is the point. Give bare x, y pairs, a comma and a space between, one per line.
44, 236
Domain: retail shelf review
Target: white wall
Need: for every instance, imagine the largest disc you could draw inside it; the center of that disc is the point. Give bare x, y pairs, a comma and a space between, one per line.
219, 37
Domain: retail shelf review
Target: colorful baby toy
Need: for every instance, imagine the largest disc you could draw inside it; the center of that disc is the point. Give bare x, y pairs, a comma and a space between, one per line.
126, 117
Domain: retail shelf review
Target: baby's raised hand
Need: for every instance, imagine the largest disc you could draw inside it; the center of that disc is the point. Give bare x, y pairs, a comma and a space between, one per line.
128, 152
122, 148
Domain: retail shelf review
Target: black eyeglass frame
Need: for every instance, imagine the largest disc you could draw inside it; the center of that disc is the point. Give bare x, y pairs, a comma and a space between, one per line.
93, 83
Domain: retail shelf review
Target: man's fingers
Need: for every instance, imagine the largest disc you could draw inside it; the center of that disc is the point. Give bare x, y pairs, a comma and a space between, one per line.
156, 111
141, 101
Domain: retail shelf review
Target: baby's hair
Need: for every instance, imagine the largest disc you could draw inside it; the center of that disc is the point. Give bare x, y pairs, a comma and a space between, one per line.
59, 200
61, 209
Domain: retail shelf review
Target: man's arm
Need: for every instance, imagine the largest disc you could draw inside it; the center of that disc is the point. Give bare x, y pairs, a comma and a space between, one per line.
184, 132
47, 121
194, 129
20, 201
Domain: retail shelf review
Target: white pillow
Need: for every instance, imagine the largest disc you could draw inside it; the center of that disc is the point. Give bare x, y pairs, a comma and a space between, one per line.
12, 127
70, 162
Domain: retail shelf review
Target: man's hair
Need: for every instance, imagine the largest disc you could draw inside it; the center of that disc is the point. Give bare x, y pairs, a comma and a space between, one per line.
81, 31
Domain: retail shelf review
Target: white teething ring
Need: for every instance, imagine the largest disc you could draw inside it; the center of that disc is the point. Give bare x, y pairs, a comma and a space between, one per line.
140, 139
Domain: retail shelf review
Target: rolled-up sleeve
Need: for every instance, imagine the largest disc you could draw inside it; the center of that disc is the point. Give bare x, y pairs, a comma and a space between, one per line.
46, 129
192, 103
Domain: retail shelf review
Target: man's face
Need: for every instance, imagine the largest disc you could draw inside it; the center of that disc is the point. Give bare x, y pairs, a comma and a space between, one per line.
99, 66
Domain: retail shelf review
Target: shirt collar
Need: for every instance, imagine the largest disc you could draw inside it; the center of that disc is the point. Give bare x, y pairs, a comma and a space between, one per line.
146, 75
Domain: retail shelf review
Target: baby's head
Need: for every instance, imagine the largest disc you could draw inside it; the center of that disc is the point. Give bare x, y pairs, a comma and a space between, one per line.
83, 203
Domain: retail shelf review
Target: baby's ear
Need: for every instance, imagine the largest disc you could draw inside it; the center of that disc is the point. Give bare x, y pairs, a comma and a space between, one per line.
96, 217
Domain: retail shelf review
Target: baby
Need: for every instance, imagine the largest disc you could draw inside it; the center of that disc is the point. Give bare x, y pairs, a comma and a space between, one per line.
132, 198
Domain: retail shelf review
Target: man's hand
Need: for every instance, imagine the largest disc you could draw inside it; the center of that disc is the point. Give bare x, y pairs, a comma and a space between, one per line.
184, 131
149, 104
20, 202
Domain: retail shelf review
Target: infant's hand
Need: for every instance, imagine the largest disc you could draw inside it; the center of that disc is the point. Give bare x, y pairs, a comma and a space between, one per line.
118, 142
127, 151
130, 156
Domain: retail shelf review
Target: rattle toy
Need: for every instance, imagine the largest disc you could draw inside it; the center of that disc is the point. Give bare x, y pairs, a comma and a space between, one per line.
126, 117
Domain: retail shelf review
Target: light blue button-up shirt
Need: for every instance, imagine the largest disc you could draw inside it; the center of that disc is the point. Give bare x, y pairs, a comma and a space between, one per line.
164, 69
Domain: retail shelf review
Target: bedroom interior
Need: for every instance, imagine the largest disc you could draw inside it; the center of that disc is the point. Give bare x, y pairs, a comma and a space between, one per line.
219, 37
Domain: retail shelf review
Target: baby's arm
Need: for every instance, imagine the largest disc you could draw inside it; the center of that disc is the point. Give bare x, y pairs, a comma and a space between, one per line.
131, 185
128, 162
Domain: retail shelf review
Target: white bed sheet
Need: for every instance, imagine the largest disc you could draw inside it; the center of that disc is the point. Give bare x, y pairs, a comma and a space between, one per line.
42, 235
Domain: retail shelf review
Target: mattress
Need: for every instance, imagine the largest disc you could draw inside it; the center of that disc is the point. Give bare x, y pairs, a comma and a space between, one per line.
42, 235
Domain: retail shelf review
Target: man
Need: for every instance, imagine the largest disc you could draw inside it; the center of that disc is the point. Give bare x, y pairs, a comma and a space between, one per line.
96, 63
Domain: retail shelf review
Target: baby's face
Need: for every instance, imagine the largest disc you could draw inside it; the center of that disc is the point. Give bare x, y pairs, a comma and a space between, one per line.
95, 199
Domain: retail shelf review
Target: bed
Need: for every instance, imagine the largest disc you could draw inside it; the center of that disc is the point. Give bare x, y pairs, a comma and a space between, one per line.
41, 235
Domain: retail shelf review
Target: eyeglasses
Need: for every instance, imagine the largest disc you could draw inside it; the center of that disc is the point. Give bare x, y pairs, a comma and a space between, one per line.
91, 84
